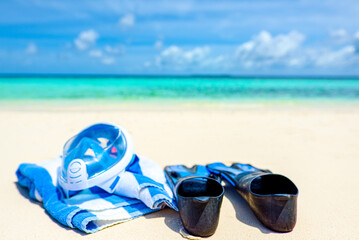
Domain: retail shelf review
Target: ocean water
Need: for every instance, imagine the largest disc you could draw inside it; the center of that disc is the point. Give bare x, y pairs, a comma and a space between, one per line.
176, 88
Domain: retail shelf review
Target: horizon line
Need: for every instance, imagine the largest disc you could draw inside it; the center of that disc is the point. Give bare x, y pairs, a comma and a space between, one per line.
68, 75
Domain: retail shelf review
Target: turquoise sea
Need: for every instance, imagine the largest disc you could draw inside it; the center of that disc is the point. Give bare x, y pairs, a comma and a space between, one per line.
177, 88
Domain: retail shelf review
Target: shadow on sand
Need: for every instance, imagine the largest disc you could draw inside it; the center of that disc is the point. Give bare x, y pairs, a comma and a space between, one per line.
243, 212
171, 218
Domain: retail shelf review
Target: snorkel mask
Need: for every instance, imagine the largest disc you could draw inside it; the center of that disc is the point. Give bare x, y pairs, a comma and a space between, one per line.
95, 157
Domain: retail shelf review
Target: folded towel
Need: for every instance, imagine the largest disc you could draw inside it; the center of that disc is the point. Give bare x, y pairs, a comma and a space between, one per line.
142, 189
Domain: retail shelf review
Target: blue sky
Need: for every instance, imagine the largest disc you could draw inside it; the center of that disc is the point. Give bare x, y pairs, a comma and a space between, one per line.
277, 37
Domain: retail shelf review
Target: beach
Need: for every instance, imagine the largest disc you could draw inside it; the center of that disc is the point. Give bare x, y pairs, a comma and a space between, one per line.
315, 145
272, 84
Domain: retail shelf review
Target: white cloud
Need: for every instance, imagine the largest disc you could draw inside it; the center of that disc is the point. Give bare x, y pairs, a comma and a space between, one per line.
346, 56
283, 51
104, 58
108, 60
339, 33
86, 39
266, 50
341, 36
115, 50
31, 48
220, 61
158, 44
176, 56
95, 53
127, 21
286, 50
331, 58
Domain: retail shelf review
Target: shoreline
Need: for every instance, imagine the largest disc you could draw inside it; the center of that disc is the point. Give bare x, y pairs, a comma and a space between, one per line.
175, 104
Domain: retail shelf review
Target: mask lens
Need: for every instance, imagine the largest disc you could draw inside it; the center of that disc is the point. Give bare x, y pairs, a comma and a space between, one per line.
100, 146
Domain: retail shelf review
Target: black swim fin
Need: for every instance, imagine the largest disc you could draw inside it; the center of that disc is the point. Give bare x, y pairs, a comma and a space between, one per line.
198, 196
272, 197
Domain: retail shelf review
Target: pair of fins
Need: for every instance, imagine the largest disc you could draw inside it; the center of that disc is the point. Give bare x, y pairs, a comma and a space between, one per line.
272, 197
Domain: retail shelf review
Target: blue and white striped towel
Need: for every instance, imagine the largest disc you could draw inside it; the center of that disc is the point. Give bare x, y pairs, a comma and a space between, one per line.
142, 189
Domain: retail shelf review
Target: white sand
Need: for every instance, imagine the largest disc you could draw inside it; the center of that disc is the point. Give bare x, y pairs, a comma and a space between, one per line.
317, 147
